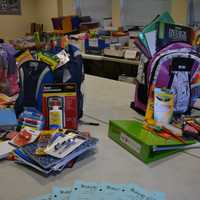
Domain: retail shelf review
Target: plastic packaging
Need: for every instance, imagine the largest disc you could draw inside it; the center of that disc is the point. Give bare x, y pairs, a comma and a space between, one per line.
55, 116
163, 105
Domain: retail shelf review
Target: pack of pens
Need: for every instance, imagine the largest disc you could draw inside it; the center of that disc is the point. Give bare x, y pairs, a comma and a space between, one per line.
55, 150
102, 191
191, 127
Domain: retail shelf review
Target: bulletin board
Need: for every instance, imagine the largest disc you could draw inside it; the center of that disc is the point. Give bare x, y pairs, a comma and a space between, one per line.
10, 7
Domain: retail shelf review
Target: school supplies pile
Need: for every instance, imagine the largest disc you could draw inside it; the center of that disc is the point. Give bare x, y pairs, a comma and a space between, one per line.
47, 151
54, 150
98, 191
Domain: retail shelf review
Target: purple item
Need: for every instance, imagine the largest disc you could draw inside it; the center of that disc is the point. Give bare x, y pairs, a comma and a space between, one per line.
8, 70
176, 67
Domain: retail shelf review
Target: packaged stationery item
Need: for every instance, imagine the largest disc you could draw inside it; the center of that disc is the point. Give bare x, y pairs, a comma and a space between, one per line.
31, 117
64, 145
23, 57
59, 106
191, 128
43, 141
49, 59
25, 136
55, 113
63, 58
163, 105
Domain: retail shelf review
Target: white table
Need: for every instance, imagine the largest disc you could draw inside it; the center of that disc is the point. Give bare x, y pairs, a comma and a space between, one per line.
106, 58
178, 175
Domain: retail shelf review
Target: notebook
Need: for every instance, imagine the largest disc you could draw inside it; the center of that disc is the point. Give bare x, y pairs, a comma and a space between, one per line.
7, 118
5, 149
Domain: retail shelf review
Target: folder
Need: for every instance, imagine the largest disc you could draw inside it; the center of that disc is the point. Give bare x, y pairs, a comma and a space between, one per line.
134, 138
165, 17
142, 48
149, 34
7, 118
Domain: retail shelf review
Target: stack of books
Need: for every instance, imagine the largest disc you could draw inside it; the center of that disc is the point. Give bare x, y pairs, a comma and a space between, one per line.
50, 155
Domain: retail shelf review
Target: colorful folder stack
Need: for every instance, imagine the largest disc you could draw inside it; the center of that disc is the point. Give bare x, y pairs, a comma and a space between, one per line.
161, 32
56, 158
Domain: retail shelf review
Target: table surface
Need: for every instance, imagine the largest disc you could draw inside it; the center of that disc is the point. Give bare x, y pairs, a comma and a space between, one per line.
177, 175
112, 59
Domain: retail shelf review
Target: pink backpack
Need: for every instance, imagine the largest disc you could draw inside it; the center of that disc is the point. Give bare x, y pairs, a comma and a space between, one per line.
8, 70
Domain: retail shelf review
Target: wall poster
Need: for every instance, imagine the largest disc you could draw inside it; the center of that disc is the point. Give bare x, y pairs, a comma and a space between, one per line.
10, 7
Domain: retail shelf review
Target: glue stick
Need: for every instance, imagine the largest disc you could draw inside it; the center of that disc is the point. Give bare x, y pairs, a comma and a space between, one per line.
55, 116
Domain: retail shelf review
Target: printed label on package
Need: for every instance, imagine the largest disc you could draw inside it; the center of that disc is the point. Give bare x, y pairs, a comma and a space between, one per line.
93, 42
130, 142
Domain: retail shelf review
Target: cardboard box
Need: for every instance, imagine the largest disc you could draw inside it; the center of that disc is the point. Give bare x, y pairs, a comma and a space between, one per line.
118, 53
62, 25
140, 142
96, 45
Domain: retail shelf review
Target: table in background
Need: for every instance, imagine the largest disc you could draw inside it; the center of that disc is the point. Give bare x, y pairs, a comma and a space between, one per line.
109, 67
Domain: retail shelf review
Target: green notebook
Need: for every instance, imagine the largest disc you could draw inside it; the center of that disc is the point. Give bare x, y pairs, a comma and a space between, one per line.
133, 137
165, 17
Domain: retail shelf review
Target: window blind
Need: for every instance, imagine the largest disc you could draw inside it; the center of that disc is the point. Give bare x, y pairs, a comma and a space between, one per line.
97, 9
141, 12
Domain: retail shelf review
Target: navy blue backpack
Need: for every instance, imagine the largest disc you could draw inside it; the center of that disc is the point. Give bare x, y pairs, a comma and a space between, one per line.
34, 74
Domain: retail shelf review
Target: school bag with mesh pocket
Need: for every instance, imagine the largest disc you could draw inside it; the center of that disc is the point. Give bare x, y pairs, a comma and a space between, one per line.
176, 67
32, 76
